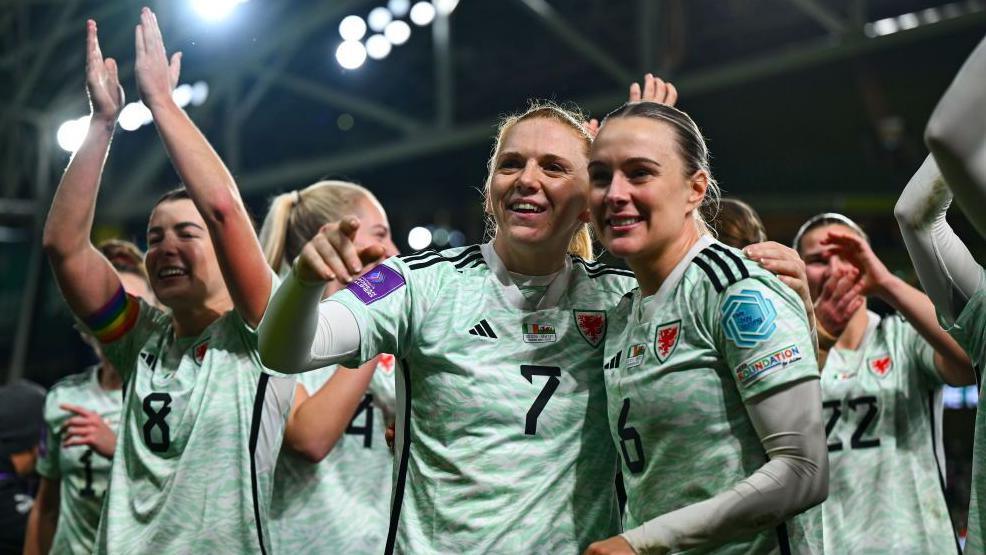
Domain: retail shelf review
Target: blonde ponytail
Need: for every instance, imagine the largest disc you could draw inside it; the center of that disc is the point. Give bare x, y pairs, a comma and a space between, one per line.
581, 243
273, 234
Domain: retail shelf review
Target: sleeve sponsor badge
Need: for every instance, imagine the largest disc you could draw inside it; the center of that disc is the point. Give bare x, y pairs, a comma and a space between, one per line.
766, 365
592, 325
376, 284
880, 366
666, 339
748, 318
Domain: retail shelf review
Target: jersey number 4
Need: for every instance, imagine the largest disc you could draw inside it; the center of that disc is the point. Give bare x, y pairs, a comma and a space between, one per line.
157, 406
862, 427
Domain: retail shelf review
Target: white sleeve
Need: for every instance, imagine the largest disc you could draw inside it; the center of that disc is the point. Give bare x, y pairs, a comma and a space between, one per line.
948, 272
299, 333
956, 135
789, 423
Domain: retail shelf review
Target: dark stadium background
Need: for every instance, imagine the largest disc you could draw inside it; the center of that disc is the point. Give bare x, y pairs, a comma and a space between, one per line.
806, 106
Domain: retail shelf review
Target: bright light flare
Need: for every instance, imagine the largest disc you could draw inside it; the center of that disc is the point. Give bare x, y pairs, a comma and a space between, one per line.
422, 13
399, 7
445, 7
377, 47
379, 18
397, 32
71, 134
352, 28
215, 10
351, 54
419, 238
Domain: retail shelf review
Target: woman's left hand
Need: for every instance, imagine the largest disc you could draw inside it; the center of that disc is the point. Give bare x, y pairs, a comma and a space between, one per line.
89, 429
786, 264
156, 77
854, 249
613, 546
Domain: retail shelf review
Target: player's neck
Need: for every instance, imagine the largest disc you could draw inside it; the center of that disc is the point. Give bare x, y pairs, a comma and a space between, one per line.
109, 378
529, 260
852, 337
653, 268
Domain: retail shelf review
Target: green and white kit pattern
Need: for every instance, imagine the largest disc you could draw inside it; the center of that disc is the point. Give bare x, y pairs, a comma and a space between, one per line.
680, 367
969, 330
342, 504
82, 473
201, 427
883, 411
503, 445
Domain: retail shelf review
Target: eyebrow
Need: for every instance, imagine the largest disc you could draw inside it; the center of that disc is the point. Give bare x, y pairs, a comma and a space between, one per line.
639, 159
180, 226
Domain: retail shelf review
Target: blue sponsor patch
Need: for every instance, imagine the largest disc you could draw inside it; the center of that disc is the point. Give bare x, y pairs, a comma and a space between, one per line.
748, 318
376, 284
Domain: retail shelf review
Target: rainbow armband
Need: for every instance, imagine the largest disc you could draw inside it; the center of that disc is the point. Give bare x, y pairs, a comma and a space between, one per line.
115, 319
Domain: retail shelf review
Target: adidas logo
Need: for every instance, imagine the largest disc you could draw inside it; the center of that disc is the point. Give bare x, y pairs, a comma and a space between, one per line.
614, 362
483, 329
148, 358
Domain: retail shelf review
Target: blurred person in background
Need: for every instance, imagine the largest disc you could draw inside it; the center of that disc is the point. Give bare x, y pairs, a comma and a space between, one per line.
955, 281
21, 423
882, 381
81, 415
333, 477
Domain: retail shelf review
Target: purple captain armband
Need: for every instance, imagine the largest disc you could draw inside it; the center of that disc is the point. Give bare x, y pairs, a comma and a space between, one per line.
376, 284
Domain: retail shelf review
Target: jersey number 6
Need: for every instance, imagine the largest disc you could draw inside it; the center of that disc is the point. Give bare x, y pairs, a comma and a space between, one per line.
529, 371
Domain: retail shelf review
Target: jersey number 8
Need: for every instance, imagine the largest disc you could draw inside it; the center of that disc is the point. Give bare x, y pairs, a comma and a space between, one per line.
155, 420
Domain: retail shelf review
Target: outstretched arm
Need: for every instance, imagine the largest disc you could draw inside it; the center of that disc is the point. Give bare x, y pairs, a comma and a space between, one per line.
956, 135
209, 183
86, 278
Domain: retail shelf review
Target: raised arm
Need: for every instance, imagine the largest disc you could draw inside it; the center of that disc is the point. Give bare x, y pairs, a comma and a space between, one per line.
956, 136
948, 272
951, 361
209, 183
86, 278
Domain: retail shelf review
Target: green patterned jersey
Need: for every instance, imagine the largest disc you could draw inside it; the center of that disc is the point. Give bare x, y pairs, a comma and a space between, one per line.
969, 330
681, 365
342, 504
502, 439
200, 430
83, 474
883, 413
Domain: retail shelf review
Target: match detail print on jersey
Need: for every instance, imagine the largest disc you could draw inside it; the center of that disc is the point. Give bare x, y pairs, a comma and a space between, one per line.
376, 284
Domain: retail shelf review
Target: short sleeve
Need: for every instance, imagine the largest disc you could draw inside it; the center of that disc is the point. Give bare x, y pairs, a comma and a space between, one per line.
386, 302
763, 335
122, 326
920, 353
49, 445
969, 326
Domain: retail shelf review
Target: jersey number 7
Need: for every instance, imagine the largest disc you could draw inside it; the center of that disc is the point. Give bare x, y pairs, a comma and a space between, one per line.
529, 371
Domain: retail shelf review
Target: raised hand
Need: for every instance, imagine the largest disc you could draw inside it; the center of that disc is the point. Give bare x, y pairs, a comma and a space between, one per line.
786, 264
333, 255
102, 80
655, 89
156, 77
852, 248
839, 300
88, 428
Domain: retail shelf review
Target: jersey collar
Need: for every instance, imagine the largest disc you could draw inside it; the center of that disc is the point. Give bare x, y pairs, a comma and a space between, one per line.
648, 306
510, 290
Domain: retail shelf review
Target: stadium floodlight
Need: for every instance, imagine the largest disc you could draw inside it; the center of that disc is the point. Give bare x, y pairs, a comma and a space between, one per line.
71, 134
131, 117
399, 7
422, 13
445, 7
379, 18
397, 32
352, 28
351, 54
182, 95
419, 238
215, 10
377, 47
200, 92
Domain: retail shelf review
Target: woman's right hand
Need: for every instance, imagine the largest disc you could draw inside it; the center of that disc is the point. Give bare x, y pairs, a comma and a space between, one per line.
333, 255
102, 80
